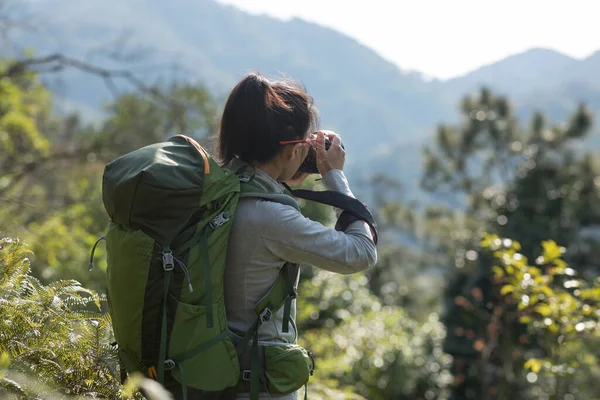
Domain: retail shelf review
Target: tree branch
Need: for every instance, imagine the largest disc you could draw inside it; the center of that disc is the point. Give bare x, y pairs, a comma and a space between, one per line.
58, 62
28, 168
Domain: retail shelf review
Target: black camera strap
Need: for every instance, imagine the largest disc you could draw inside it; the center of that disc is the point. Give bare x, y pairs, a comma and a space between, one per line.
353, 209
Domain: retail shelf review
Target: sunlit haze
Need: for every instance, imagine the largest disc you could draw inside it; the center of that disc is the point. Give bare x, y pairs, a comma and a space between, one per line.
443, 38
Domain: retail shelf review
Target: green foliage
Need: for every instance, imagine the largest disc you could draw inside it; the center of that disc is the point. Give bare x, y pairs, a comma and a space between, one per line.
22, 145
55, 339
363, 346
561, 313
22, 102
55, 332
51, 167
45, 189
136, 120
528, 184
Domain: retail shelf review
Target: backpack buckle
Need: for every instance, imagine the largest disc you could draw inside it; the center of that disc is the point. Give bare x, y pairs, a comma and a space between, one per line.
169, 364
246, 374
243, 178
219, 220
168, 261
265, 315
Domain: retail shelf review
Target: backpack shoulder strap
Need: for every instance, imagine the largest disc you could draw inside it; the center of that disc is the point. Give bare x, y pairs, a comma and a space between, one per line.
249, 188
353, 209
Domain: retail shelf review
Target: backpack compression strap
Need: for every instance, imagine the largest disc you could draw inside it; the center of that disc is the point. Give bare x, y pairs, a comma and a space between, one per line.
354, 209
280, 295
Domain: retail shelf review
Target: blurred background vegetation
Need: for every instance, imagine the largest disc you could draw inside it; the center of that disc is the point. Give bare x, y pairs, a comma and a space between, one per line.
487, 284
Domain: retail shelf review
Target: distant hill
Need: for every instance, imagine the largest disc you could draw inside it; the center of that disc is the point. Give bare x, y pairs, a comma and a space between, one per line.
357, 92
384, 114
517, 74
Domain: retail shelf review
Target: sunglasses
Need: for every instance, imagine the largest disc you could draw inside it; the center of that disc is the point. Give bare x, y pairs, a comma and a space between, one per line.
307, 140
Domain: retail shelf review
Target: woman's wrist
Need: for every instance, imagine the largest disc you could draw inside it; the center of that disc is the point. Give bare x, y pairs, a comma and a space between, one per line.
336, 180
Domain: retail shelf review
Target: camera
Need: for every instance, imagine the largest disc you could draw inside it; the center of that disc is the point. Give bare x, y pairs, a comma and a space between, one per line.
309, 166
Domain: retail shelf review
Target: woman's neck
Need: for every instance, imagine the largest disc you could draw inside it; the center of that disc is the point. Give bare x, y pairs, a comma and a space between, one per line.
270, 169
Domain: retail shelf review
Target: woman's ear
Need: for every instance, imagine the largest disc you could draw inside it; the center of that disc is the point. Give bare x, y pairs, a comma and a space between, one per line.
287, 153
293, 151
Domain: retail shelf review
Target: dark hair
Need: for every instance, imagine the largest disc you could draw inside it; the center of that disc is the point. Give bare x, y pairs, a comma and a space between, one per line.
259, 114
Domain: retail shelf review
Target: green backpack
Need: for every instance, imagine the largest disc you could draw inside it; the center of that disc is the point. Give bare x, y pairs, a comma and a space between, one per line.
170, 207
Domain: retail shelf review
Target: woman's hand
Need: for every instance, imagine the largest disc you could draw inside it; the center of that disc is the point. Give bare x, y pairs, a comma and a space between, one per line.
333, 158
297, 179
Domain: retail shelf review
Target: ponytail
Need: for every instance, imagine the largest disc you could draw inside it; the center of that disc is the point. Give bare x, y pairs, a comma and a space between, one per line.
259, 114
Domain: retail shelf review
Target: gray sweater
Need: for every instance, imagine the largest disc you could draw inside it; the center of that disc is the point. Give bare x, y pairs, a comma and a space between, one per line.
266, 234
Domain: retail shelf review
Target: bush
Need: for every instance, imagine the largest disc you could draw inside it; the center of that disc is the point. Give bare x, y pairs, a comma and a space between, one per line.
561, 313
56, 333
364, 347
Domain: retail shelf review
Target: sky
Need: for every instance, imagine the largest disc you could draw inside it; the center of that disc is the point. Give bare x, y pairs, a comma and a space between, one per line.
448, 38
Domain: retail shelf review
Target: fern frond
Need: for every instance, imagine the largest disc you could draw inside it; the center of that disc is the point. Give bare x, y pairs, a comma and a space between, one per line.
65, 284
106, 322
54, 335
34, 354
87, 315
14, 262
75, 300
11, 386
8, 308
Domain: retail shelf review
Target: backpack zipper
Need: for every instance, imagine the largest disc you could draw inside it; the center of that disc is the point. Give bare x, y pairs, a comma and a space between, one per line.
186, 273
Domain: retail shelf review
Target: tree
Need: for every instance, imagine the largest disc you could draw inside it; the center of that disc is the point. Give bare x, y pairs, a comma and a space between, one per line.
527, 184
51, 166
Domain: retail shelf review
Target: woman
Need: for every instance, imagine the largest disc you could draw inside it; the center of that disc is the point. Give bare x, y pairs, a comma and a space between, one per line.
267, 126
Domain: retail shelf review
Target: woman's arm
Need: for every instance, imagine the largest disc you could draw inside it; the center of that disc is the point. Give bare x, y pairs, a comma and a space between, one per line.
298, 239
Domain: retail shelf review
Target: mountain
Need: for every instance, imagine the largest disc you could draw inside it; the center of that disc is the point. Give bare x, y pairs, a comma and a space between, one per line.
383, 113
516, 74
537, 79
358, 93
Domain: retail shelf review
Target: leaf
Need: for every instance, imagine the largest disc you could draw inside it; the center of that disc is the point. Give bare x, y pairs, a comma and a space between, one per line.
506, 289
547, 291
590, 294
544, 309
488, 239
560, 267
4, 363
525, 319
551, 250
534, 364
498, 272
533, 300
13, 387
